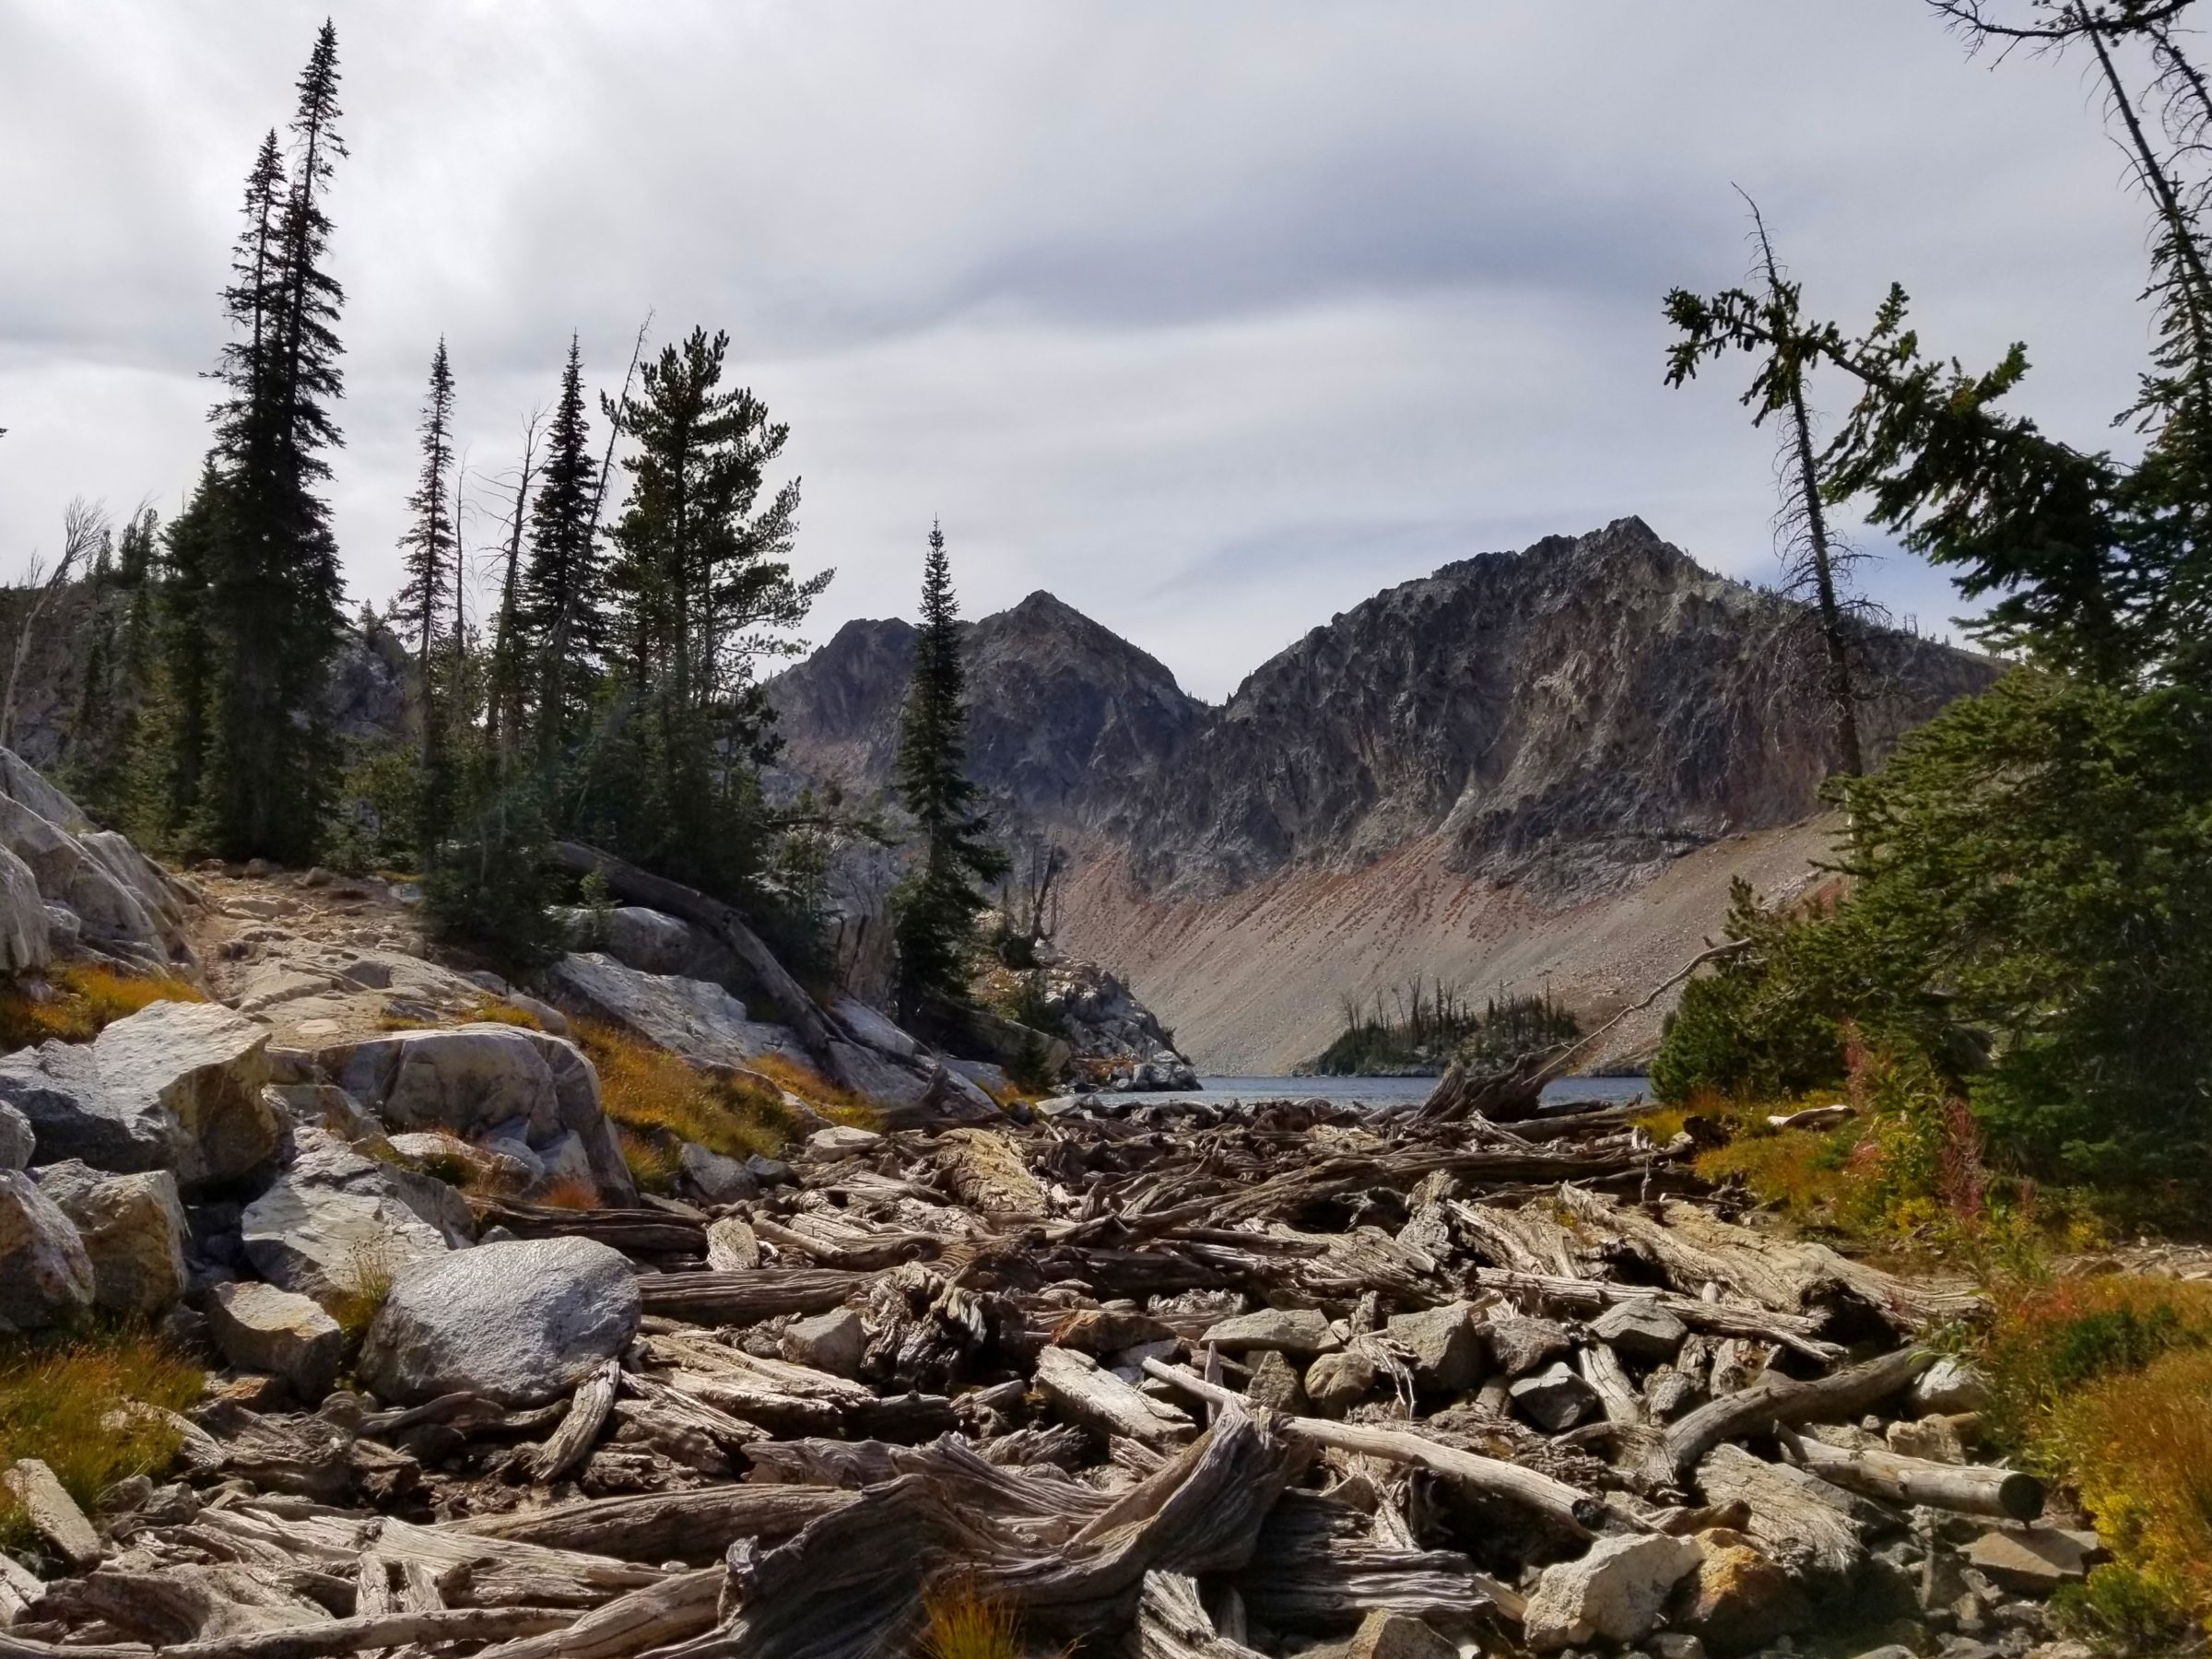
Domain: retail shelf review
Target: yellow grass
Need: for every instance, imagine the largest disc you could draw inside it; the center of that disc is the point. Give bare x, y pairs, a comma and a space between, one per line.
52, 1396
647, 1090
574, 1193
369, 1275
839, 1105
79, 1001
962, 1622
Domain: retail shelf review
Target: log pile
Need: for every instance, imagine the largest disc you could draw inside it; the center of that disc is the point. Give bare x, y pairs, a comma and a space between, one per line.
1202, 1382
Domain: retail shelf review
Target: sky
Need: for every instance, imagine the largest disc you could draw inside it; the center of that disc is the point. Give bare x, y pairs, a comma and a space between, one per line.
1213, 318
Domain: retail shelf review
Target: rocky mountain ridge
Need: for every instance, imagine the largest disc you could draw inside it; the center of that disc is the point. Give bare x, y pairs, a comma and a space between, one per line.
1524, 767
1575, 714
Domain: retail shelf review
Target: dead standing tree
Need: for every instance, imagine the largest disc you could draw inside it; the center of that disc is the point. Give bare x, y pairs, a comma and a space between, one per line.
83, 526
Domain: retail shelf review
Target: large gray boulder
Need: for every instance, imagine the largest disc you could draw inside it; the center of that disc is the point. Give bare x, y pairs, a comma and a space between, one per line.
477, 1081
57, 1088
647, 940
45, 1276
25, 930
134, 1231
261, 1328
522, 1322
693, 1017
205, 1065
335, 1225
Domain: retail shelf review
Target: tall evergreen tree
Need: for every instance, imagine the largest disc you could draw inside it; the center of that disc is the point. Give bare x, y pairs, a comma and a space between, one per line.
937, 903
273, 593
704, 590
563, 610
429, 549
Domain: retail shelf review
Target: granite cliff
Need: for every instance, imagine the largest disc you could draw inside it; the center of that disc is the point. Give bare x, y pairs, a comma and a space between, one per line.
1480, 774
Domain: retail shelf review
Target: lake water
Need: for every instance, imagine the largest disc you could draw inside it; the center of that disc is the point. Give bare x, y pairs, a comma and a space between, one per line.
1382, 1091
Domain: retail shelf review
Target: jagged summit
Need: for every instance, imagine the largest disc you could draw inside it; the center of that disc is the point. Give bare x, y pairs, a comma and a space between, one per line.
1588, 707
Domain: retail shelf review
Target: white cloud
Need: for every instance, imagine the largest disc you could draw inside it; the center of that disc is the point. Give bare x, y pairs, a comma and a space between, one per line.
1211, 319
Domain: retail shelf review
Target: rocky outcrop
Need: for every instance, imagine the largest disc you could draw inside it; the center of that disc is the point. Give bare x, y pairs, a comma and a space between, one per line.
520, 1322
338, 1226
94, 888
696, 1018
176, 1086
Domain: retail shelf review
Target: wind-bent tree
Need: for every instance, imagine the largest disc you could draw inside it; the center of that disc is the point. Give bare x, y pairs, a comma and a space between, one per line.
429, 553
1813, 560
272, 601
937, 903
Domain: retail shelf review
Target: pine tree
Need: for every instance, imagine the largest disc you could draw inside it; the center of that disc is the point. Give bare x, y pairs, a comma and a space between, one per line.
937, 903
105, 759
273, 603
176, 742
563, 611
427, 601
704, 590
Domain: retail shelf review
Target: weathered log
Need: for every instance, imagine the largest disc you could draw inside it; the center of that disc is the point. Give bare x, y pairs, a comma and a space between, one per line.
1316, 1571
1776, 1399
746, 1298
693, 1527
1816, 1529
579, 1431
336, 1636
1573, 1511
1966, 1489
1172, 1623
1096, 1397
634, 1232
1791, 1330
1623, 1401
52, 1514
672, 1610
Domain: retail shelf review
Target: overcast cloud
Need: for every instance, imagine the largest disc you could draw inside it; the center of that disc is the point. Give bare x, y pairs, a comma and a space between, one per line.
1211, 316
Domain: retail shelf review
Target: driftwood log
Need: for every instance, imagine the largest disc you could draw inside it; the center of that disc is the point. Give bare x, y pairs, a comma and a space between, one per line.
1963, 1489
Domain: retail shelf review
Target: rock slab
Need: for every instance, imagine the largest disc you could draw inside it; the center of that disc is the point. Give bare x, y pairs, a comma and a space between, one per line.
1614, 1593
45, 1276
261, 1328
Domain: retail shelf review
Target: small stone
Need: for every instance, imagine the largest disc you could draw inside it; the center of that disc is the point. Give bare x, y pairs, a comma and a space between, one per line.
1336, 1383
1939, 1439
1520, 1344
1615, 1592
732, 1246
2034, 1559
1275, 1384
1889, 1651
1386, 1635
715, 1178
259, 1327
839, 1141
1445, 1349
1555, 1399
769, 1171
1739, 1597
1641, 1329
1301, 1331
833, 1342
1948, 1386
1676, 1644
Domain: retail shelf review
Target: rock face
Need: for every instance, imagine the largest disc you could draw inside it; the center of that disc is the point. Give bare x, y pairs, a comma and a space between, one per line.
15, 1138
45, 1276
520, 1322
175, 1085
335, 1225
496, 1082
696, 1018
133, 1231
96, 886
25, 930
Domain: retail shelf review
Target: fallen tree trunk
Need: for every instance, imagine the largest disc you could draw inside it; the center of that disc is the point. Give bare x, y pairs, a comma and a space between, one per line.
692, 1527
1574, 1510
1963, 1489
1723, 1319
746, 1297
669, 1611
314, 1641
1776, 1400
